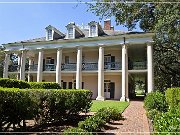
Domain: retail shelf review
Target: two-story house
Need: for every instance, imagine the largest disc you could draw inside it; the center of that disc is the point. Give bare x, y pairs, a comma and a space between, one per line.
103, 60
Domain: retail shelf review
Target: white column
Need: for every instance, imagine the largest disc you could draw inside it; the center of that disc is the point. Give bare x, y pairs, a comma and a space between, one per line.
150, 76
40, 65
19, 64
6, 64
22, 67
29, 74
79, 68
58, 66
124, 73
101, 74
127, 76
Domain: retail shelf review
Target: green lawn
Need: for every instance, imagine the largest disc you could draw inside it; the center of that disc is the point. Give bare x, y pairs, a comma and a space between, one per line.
121, 106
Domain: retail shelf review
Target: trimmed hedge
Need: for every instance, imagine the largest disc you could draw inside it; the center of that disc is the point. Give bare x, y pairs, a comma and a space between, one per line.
173, 98
44, 85
13, 83
45, 105
167, 122
155, 100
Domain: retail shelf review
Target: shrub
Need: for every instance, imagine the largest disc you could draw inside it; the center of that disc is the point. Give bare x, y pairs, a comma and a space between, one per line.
156, 100
167, 122
109, 114
44, 85
92, 123
96, 122
17, 105
12, 83
76, 131
152, 114
173, 98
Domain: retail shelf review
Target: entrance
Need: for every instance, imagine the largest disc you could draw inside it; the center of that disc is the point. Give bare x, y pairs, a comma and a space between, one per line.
109, 88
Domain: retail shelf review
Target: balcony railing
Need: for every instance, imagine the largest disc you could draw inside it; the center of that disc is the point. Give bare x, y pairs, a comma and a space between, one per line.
112, 66
90, 66
50, 67
33, 67
68, 67
139, 65
13, 68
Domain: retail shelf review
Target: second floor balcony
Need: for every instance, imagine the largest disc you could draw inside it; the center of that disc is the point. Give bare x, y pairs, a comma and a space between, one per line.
90, 66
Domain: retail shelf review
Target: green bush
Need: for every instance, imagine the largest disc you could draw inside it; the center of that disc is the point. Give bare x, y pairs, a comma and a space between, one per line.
76, 131
92, 123
13, 83
109, 114
152, 114
44, 85
173, 98
96, 122
167, 122
46, 105
156, 100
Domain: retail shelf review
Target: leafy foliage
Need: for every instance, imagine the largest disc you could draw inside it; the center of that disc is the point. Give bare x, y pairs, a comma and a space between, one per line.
12, 83
167, 122
44, 105
156, 100
152, 16
173, 98
44, 85
96, 123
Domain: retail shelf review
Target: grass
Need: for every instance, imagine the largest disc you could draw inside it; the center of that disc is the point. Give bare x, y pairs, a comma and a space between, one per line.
121, 106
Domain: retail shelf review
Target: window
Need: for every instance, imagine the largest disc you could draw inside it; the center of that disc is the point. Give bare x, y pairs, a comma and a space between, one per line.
66, 59
49, 34
70, 33
49, 60
93, 30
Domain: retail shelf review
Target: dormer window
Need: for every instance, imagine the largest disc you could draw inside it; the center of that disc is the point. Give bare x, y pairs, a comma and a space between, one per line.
70, 33
73, 31
93, 30
53, 34
49, 32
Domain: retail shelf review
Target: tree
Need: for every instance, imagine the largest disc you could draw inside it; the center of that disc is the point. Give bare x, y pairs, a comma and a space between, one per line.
160, 17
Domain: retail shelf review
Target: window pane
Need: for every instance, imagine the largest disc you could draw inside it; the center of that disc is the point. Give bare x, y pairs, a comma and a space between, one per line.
49, 34
70, 33
93, 30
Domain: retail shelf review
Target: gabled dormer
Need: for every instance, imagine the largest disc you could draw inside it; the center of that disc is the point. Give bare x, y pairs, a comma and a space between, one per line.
73, 31
95, 29
53, 34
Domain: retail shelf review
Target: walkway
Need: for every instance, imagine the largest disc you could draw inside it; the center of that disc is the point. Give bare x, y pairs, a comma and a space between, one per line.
135, 121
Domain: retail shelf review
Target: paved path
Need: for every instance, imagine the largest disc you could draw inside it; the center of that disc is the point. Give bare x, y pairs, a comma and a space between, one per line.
135, 123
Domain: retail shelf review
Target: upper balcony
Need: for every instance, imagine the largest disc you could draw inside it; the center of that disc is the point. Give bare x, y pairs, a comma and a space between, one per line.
90, 66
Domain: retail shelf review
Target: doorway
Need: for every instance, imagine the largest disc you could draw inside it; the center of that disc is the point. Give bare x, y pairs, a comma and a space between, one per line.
109, 88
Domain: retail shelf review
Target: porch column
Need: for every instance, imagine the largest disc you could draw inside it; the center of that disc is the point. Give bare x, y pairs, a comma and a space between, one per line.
58, 66
101, 74
124, 73
79, 68
40, 65
22, 67
29, 74
6, 64
19, 64
150, 74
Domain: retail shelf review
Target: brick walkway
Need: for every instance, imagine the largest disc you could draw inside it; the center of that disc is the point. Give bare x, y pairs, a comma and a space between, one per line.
135, 123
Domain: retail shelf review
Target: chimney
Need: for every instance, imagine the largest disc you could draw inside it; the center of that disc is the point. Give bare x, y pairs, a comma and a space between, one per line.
107, 24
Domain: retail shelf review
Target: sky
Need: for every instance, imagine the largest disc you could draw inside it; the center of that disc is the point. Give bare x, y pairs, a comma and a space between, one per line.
22, 21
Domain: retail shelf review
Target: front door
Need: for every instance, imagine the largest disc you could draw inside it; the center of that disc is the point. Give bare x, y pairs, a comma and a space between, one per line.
107, 90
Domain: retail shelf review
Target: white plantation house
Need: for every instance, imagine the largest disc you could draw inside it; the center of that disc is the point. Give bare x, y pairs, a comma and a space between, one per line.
103, 60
